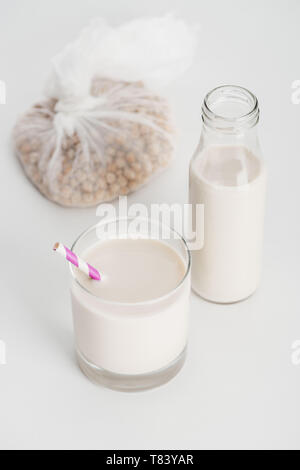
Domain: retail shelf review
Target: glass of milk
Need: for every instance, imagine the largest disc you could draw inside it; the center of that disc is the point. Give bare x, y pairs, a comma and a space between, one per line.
228, 176
131, 327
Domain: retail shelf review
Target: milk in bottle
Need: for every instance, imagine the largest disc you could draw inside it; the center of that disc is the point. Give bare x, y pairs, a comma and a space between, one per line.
228, 176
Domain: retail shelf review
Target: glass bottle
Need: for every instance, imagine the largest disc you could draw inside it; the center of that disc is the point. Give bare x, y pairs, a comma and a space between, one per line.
228, 176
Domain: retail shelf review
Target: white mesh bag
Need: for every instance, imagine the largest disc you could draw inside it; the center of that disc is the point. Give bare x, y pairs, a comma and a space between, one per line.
102, 131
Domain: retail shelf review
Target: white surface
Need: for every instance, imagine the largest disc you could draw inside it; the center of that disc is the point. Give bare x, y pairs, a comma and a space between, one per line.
239, 388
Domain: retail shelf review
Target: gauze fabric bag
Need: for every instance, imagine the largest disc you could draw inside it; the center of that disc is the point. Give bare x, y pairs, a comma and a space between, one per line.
103, 129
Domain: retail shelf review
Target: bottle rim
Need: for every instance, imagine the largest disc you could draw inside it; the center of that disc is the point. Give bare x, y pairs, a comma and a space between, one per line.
230, 94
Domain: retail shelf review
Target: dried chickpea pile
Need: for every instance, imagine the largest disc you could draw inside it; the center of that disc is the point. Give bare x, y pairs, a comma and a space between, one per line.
107, 156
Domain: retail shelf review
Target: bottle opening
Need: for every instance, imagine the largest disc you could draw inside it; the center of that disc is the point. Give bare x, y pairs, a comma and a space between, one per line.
230, 106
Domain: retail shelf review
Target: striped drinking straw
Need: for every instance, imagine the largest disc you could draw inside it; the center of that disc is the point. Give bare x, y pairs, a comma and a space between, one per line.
78, 262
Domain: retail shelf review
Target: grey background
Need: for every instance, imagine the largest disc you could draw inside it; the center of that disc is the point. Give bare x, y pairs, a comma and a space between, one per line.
239, 388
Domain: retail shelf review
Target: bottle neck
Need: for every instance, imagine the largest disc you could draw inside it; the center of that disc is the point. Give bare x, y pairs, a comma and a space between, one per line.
230, 110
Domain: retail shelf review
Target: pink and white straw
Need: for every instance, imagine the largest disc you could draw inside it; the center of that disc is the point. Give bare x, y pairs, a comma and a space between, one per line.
76, 261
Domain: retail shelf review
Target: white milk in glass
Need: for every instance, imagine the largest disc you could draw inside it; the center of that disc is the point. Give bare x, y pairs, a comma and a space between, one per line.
134, 322
228, 176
